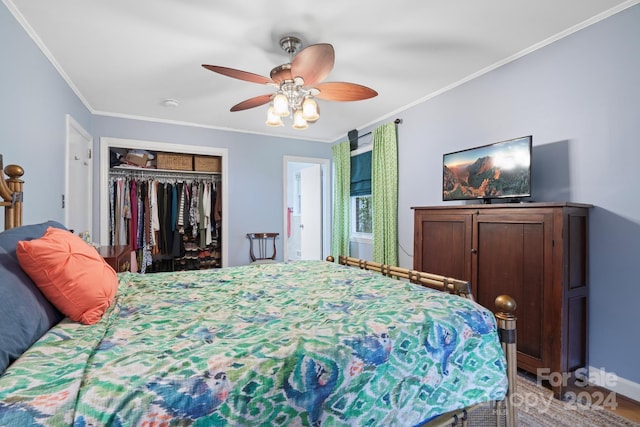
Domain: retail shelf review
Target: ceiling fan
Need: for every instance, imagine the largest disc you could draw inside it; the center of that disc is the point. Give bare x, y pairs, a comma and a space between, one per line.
297, 83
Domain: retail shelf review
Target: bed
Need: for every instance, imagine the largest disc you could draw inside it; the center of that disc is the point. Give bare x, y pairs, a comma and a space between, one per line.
300, 343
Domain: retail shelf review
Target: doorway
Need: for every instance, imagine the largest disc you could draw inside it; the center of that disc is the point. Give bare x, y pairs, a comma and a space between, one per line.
306, 208
107, 143
78, 200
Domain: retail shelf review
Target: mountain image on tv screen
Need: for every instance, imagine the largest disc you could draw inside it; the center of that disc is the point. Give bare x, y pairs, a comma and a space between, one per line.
498, 170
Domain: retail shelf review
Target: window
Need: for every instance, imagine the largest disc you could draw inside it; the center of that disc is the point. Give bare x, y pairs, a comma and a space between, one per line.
362, 220
361, 203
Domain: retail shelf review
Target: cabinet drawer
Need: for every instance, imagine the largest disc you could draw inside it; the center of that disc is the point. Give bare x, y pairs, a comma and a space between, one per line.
118, 257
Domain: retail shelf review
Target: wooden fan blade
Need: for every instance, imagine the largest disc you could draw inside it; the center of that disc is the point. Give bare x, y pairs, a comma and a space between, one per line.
313, 63
341, 91
281, 73
252, 102
238, 74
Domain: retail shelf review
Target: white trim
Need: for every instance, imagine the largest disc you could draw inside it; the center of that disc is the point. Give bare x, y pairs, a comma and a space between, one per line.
611, 381
363, 238
71, 123
106, 143
326, 202
362, 149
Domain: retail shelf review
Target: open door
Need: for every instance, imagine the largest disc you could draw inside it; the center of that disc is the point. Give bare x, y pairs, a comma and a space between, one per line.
305, 211
311, 212
78, 200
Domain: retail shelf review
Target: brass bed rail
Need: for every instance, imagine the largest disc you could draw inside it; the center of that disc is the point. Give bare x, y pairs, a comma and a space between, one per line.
434, 281
11, 194
505, 320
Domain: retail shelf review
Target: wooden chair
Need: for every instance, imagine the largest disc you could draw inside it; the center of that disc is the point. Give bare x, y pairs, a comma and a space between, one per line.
260, 249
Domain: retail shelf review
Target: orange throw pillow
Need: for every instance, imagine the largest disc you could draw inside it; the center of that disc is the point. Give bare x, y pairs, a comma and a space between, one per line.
70, 273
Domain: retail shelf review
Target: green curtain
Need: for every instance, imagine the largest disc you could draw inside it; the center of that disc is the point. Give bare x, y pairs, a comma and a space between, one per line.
384, 194
341, 224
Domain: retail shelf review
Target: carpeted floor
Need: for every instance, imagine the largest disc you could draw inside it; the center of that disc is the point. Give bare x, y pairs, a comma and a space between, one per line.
538, 408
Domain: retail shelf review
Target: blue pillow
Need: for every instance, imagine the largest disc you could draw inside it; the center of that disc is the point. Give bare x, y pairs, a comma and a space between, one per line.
25, 314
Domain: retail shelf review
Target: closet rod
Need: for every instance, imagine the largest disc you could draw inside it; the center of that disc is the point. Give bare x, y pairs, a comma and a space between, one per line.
150, 173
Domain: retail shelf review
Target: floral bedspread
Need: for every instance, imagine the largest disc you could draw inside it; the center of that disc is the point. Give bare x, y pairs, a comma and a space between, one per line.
302, 343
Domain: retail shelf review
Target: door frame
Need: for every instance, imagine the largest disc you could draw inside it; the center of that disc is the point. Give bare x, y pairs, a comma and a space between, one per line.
72, 126
325, 202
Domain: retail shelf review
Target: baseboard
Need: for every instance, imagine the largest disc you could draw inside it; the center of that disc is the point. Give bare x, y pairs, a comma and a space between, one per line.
612, 382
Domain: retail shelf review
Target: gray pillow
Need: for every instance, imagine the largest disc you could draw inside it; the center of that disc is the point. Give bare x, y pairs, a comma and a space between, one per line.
25, 314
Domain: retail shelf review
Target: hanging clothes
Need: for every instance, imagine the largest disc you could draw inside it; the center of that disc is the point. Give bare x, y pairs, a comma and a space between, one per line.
155, 221
181, 202
147, 232
112, 193
176, 238
206, 219
133, 223
155, 217
194, 214
218, 205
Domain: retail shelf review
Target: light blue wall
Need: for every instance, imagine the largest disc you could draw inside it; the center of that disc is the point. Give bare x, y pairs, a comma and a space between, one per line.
34, 100
580, 99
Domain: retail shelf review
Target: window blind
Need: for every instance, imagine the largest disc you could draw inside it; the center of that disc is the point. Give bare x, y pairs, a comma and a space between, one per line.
361, 174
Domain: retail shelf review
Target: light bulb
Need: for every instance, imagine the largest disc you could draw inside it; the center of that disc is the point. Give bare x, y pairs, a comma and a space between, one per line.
310, 109
273, 119
298, 121
280, 105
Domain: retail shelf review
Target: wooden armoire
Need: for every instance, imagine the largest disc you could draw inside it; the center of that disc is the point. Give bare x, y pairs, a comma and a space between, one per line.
535, 252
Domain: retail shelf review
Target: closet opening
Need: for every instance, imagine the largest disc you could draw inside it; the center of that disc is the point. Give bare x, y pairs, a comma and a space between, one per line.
182, 187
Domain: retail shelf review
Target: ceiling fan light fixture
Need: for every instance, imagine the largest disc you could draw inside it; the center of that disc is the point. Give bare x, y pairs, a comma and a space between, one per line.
310, 109
273, 119
297, 84
298, 120
281, 105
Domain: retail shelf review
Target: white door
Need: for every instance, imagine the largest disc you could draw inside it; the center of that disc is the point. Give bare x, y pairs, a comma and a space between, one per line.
311, 212
306, 210
78, 198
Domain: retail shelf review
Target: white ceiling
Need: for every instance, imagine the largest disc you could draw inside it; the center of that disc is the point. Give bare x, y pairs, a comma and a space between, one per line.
124, 57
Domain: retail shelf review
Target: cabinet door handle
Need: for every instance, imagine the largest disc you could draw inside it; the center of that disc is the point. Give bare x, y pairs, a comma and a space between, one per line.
474, 251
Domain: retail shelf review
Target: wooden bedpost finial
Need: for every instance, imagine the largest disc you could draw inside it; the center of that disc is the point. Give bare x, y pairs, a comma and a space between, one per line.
330, 258
14, 171
505, 304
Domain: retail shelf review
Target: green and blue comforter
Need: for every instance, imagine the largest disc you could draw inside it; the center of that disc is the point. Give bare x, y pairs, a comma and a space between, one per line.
302, 343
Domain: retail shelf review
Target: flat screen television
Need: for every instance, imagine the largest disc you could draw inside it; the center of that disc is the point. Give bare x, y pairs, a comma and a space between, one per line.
501, 170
